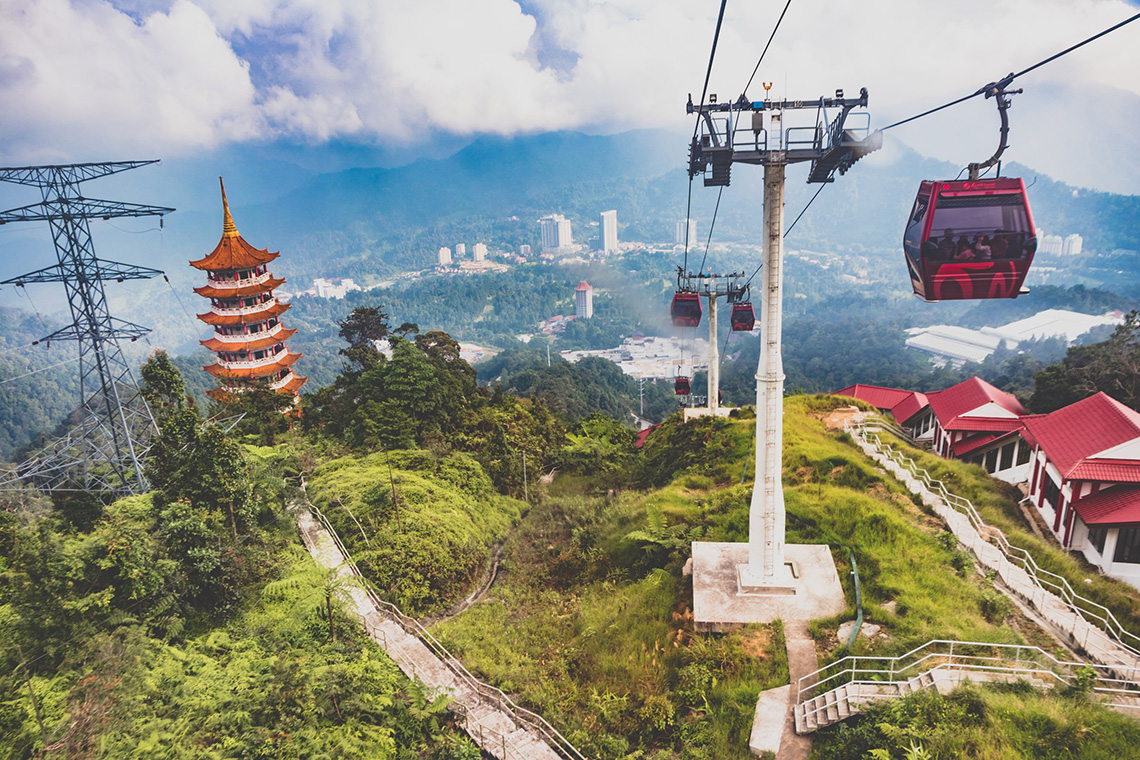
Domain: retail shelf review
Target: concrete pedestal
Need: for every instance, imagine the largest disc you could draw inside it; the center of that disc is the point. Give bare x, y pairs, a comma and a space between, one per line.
721, 601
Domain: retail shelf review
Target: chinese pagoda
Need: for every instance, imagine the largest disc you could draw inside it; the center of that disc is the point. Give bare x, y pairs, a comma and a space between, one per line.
249, 339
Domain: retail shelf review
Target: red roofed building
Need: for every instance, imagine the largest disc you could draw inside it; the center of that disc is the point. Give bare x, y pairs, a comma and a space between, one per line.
910, 409
249, 339
977, 423
1086, 481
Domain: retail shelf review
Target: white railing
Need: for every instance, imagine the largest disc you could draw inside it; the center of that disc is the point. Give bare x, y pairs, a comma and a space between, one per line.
242, 310
1091, 612
249, 337
519, 715
265, 362
943, 656
229, 283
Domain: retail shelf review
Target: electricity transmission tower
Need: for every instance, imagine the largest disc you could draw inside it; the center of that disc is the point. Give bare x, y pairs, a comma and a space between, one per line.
103, 452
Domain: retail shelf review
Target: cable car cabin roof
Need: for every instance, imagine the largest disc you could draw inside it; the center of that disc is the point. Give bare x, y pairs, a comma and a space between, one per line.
686, 309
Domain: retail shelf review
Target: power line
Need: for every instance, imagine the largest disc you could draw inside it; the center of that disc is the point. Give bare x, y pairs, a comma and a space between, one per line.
41, 369
1011, 77
770, 38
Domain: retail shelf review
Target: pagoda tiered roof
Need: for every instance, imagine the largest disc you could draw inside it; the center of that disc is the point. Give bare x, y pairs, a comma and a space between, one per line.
284, 360
232, 252
212, 291
274, 309
220, 344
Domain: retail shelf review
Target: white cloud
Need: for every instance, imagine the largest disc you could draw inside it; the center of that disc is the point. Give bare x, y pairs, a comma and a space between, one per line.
178, 76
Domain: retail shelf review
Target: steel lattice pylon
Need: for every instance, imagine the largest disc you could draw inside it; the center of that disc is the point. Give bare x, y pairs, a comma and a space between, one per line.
103, 453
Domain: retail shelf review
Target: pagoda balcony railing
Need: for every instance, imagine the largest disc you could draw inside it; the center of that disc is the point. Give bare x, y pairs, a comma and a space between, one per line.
228, 283
254, 363
282, 382
246, 338
243, 309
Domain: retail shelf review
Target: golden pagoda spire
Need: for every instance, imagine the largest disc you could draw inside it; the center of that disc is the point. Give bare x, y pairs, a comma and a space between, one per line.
229, 229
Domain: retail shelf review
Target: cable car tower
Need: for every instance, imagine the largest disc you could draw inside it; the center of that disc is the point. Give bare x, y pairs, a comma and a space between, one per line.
104, 452
686, 312
753, 132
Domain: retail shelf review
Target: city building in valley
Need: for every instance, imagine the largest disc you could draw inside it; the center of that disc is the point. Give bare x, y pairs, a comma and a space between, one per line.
249, 339
583, 301
608, 242
444, 259
480, 252
683, 226
524, 250
1073, 244
460, 250
556, 234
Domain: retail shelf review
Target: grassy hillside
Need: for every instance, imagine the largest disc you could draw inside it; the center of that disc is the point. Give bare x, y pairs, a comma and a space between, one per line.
425, 546
593, 591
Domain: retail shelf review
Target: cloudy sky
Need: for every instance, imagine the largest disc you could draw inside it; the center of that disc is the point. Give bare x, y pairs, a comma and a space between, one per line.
99, 79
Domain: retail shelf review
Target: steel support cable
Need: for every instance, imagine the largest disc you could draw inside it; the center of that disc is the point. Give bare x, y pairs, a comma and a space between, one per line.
790, 228
697, 124
1023, 72
762, 54
712, 226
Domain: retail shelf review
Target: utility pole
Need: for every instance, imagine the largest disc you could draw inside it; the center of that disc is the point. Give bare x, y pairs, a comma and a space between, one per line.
104, 453
736, 132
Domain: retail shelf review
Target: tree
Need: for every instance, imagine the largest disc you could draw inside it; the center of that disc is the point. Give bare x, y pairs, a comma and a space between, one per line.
314, 590
362, 329
1112, 366
163, 386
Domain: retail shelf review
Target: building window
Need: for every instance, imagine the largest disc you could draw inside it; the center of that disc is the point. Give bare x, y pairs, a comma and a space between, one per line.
1052, 491
1007, 455
1023, 453
1128, 546
1097, 534
991, 460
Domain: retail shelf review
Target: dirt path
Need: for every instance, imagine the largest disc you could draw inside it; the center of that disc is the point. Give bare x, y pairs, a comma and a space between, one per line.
489, 574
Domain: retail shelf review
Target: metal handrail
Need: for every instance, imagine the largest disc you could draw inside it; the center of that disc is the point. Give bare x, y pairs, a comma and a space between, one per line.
521, 715
1081, 606
939, 654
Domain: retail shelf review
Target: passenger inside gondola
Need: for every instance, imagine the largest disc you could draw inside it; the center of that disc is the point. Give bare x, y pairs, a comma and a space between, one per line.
946, 248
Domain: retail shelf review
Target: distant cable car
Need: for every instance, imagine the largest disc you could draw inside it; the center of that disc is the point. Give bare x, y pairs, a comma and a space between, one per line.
743, 319
969, 239
973, 238
681, 386
686, 309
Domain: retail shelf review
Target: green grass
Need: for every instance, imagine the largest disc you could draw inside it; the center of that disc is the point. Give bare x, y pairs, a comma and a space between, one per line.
426, 546
997, 722
996, 502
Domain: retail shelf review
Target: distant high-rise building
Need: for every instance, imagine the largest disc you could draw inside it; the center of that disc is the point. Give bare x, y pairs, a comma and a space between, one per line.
524, 250
583, 301
1051, 245
480, 252
445, 256
460, 250
555, 232
608, 242
1073, 244
682, 226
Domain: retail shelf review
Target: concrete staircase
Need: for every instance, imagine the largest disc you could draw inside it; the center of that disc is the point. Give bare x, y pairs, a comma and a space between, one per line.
850, 699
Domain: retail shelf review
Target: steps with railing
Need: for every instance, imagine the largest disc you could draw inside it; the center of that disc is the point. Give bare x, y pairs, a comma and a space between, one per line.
846, 687
1048, 592
487, 714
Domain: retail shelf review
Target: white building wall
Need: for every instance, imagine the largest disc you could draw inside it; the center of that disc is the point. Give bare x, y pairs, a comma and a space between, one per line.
609, 238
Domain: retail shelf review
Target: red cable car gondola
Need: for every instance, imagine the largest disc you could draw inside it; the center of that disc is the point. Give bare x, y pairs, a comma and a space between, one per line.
974, 238
686, 309
681, 386
743, 319
969, 239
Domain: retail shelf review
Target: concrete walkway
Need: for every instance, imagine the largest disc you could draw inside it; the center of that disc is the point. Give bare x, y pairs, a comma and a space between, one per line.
1074, 627
774, 725
485, 715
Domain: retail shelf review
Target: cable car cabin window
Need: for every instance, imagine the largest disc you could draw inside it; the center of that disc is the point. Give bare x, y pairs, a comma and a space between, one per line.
961, 222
